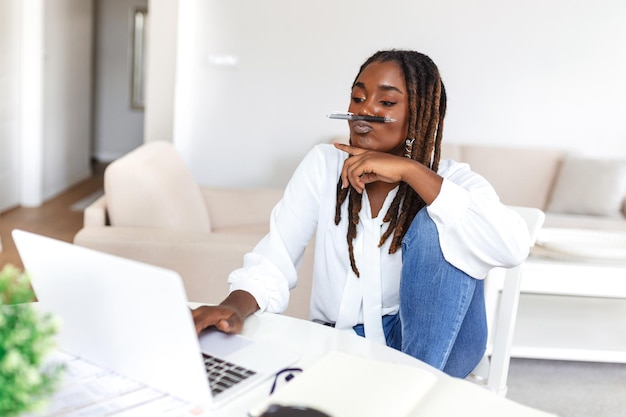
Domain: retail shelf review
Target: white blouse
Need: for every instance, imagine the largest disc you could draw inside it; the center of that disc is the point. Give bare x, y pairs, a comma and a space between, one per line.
476, 233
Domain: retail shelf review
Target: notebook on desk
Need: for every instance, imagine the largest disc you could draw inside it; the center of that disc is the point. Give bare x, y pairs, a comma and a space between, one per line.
133, 318
343, 385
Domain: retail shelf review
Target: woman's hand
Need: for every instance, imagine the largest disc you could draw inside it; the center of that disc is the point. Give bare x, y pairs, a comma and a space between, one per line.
364, 167
227, 317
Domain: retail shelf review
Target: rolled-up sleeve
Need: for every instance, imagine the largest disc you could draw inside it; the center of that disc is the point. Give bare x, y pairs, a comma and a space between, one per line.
266, 276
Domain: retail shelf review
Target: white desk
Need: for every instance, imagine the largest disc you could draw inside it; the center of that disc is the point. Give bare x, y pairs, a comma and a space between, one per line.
313, 341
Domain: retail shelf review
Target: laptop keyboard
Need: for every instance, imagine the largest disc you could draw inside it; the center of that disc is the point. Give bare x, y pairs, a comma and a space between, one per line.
223, 374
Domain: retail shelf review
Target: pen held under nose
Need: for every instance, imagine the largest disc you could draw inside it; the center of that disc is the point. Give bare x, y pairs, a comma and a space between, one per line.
377, 119
351, 116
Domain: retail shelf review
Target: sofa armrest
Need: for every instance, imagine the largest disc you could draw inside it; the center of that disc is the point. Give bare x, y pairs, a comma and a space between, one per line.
96, 213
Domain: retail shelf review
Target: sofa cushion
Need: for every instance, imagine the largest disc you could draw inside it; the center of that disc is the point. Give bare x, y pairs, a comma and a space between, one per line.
589, 186
152, 187
521, 176
581, 221
581, 244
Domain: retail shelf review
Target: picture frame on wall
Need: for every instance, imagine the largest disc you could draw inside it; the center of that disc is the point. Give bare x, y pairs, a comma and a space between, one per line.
139, 31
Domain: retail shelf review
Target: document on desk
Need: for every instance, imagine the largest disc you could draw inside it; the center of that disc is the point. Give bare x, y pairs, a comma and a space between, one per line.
343, 385
88, 390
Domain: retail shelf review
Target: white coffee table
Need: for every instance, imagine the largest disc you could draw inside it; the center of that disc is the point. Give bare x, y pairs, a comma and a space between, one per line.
573, 298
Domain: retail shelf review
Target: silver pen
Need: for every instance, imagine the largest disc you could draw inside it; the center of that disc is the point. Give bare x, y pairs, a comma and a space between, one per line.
351, 116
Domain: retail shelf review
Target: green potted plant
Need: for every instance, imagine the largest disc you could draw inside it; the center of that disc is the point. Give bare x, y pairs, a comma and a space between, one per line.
26, 337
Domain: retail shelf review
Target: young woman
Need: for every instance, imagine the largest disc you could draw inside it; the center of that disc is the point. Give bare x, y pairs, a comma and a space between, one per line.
403, 240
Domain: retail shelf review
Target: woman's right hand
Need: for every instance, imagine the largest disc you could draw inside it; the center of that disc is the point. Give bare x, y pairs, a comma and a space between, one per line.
227, 317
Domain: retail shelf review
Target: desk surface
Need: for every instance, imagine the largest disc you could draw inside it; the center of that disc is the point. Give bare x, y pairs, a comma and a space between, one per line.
312, 341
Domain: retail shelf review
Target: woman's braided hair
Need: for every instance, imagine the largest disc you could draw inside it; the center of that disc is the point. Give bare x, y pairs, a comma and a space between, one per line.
427, 108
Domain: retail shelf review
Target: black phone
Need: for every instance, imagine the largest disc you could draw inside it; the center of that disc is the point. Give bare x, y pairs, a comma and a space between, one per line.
276, 410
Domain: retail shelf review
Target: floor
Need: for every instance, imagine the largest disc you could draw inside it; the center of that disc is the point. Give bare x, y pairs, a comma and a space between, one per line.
55, 218
569, 388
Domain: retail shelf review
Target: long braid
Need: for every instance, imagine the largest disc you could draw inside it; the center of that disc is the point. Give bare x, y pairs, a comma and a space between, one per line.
342, 193
354, 207
427, 108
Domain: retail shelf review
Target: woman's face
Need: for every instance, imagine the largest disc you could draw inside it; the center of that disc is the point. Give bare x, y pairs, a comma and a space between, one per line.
380, 90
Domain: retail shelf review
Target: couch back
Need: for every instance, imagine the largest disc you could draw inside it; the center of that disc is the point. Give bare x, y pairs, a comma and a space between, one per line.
520, 176
240, 208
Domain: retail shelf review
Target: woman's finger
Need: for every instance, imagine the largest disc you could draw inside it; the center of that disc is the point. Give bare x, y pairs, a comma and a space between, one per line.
350, 149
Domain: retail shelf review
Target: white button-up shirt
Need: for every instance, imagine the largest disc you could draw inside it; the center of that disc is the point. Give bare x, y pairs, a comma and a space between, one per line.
476, 233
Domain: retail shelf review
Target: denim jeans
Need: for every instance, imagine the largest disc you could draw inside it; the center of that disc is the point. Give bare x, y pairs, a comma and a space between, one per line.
442, 317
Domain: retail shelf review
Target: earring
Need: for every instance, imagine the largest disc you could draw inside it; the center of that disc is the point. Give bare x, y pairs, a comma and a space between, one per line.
408, 148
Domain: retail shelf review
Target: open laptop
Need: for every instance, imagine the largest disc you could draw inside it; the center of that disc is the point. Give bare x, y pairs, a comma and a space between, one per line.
133, 319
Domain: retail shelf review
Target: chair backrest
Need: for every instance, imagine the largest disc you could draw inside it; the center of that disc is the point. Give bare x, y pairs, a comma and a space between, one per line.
502, 291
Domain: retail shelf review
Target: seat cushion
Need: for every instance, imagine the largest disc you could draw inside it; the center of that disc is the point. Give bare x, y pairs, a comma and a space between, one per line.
152, 187
590, 186
579, 221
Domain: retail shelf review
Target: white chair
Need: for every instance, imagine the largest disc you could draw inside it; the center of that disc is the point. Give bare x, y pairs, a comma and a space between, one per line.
502, 291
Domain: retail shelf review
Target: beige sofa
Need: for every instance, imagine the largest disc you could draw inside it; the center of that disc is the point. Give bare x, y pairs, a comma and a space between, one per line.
153, 211
574, 283
573, 190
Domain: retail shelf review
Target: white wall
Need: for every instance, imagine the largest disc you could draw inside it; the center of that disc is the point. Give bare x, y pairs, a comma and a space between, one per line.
118, 128
161, 69
9, 103
31, 101
537, 73
68, 31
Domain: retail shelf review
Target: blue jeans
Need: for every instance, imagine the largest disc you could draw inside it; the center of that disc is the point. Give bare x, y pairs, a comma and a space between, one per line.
442, 318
